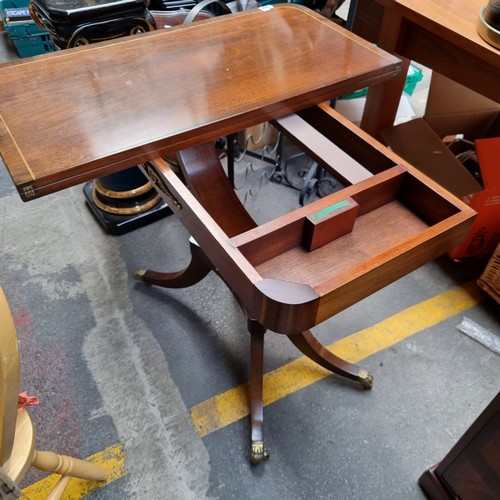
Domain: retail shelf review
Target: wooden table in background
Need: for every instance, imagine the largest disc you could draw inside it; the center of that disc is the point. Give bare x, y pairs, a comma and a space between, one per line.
440, 34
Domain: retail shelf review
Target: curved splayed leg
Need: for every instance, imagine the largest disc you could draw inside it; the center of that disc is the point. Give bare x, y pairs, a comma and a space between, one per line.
197, 269
307, 343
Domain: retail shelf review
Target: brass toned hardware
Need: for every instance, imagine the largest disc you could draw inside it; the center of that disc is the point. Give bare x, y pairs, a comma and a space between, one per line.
158, 182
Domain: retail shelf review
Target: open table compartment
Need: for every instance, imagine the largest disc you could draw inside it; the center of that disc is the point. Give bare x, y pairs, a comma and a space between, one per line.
400, 219
392, 235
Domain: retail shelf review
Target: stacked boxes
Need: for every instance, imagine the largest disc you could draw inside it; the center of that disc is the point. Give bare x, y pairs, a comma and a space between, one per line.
27, 37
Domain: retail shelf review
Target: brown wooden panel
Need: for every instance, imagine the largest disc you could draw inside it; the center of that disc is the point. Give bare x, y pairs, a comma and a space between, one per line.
471, 469
475, 473
350, 138
368, 20
441, 34
428, 48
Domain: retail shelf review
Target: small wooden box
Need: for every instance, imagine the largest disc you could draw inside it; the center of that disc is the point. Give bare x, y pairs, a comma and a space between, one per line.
329, 223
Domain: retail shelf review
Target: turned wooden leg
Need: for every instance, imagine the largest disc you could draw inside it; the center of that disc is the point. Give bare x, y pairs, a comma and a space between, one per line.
57, 491
307, 343
197, 269
257, 331
49, 461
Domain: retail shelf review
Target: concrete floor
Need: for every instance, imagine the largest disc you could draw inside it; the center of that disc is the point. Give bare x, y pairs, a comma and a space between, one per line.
117, 362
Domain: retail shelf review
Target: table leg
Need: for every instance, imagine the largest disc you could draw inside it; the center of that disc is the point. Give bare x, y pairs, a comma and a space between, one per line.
205, 177
307, 343
257, 331
313, 349
197, 269
383, 99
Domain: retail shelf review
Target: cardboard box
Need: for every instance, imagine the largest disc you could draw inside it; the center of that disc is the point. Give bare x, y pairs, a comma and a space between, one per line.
257, 137
453, 109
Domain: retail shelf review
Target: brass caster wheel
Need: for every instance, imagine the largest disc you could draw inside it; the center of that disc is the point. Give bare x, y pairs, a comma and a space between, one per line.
259, 453
365, 379
139, 274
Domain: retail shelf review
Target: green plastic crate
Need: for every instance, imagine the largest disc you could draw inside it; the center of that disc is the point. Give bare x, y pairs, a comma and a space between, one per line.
33, 45
414, 76
23, 29
28, 38
14, 4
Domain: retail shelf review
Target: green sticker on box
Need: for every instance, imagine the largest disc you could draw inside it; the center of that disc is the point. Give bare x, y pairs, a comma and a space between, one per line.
332, 208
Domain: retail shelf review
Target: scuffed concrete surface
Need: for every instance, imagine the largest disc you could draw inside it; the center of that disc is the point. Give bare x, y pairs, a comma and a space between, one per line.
53, 248
116, 361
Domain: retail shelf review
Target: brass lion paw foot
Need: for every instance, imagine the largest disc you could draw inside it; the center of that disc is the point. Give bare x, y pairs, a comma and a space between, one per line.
365, 378
259, 453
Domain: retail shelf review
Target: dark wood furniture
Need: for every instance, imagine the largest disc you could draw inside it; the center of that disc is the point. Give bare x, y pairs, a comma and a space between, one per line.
472, 467
440, 34
79, 22
187, 86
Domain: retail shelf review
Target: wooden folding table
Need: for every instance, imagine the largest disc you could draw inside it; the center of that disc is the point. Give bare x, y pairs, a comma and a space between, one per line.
82, 113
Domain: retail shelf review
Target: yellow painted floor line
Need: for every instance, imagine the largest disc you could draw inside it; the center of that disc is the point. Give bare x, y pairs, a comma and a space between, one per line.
228, 407
112, 459
232, 405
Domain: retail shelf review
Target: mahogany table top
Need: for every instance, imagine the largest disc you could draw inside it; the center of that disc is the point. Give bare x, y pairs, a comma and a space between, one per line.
71, 116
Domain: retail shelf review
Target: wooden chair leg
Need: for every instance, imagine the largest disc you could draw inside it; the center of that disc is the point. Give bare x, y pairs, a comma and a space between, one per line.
57, 491
197, 269
49, 461
257, 331
307, 343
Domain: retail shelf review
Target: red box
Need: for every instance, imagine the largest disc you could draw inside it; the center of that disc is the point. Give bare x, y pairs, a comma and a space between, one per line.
484, 234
